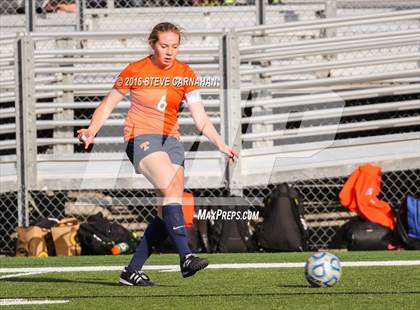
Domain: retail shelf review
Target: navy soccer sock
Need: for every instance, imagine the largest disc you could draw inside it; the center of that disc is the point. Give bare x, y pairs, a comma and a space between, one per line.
175, 226
154, 235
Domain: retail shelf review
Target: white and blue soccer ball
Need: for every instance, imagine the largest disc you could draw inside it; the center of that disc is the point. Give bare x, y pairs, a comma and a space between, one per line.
323, 269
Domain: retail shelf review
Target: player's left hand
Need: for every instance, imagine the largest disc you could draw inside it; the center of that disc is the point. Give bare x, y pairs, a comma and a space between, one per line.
85, 136
230, 152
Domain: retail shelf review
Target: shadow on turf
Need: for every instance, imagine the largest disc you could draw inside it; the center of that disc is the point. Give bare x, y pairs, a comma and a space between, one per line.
310, 290
58, 280
321, 292
294, 286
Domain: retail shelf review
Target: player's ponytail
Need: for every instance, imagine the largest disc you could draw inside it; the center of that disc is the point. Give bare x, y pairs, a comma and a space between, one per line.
163, 27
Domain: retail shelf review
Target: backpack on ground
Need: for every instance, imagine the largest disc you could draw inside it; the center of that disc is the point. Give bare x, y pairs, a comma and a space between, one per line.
98, 236
284, 227
231, 235
408, 223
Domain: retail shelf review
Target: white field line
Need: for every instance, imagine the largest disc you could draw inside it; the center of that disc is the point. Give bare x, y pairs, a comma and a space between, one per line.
15, 275
169, 268
13, 302
301, 265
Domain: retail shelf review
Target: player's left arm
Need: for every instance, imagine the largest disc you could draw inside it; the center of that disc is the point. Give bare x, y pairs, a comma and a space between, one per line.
205, 126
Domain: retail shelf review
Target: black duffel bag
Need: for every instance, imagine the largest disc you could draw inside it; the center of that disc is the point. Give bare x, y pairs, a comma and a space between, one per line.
361, 235
98, 236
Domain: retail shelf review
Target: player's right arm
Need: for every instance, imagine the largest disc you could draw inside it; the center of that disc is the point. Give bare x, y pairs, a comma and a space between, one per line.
100, 115
105, 108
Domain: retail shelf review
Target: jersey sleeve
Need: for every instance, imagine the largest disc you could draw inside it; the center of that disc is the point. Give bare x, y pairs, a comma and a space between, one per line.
190, 74
122, 84
192, 90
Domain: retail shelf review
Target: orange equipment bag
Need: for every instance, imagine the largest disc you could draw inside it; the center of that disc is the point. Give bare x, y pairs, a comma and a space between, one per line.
359, 194
188, 209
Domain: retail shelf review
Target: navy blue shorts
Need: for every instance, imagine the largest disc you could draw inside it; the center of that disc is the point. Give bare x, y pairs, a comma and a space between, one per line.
143, 145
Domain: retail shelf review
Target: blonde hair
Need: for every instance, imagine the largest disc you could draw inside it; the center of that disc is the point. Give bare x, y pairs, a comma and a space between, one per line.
163, 27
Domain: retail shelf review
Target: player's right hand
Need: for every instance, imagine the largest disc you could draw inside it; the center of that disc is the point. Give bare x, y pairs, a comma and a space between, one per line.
85, 136
230, 152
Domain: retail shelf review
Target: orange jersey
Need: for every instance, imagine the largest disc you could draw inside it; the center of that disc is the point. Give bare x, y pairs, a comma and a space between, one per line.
155, 95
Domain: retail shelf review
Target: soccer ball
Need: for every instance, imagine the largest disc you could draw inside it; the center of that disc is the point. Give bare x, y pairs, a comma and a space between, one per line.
323, 269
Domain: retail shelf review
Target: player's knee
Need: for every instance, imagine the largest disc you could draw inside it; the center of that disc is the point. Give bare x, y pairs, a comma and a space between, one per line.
174, 189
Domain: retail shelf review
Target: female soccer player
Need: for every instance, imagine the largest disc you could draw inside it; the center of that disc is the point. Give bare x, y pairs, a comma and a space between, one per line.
157, 84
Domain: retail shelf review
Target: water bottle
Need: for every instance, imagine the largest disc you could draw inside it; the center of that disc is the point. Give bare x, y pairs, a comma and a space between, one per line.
120, 248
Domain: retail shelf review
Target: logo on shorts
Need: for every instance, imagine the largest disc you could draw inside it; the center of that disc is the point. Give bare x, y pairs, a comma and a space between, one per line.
145, 145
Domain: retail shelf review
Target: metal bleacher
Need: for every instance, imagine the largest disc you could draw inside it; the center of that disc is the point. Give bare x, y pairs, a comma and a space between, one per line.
308, 80
304, 100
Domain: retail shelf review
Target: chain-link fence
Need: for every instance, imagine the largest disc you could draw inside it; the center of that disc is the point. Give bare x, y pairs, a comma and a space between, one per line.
323, 211
39, 15
135, 208
8, 222
12, 16
125, 15
57, 16
59, 74
218, 14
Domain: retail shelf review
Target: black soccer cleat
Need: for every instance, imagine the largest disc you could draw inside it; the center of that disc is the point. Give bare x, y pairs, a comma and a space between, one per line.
192, 264
135, 278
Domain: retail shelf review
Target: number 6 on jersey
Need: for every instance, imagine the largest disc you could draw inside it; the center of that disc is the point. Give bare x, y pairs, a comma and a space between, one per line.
161, 106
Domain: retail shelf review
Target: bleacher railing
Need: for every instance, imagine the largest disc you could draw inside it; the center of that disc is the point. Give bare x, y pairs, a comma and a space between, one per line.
297, 101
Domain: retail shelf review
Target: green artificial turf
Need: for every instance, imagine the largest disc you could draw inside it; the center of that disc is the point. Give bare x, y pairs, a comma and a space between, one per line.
221, 258
394, 287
